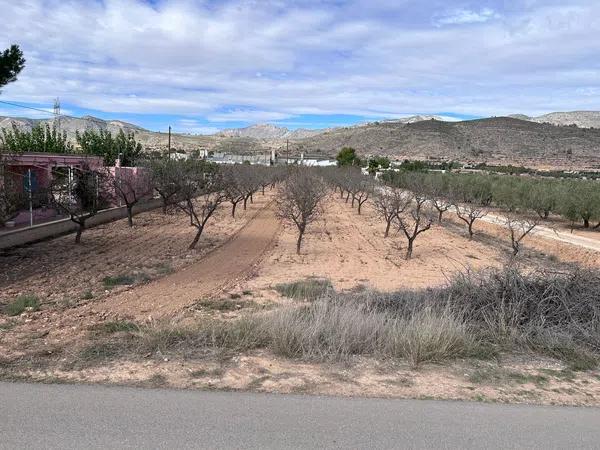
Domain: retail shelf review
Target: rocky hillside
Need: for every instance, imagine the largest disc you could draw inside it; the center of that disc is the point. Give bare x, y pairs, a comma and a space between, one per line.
268, 131
151, 140
498, 140
583, 119
72, 124
506, 140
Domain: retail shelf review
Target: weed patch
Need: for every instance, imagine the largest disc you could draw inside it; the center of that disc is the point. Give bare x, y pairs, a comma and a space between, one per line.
21, 304
310, 289
118, 280
223, 305
118, 326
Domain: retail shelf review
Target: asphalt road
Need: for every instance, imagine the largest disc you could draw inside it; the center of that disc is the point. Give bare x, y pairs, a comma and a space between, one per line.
75, 417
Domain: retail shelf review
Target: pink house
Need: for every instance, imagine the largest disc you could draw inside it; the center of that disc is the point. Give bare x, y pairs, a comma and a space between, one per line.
37, 169
18, 167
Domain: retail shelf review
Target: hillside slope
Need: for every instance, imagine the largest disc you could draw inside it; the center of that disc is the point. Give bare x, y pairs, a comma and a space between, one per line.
501, 140
516, 140
583, 119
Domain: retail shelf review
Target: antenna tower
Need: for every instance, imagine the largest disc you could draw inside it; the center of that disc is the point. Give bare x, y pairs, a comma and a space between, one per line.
57, 113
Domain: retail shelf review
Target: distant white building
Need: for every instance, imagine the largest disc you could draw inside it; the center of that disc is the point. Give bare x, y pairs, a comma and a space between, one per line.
272, 158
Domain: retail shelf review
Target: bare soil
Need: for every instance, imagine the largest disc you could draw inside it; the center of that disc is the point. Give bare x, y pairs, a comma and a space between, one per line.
241, 261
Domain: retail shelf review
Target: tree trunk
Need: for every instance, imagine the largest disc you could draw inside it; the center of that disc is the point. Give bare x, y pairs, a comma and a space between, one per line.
586, 223
409, 249
359, 206
233, 205
164, 205
387, 228
196, 239
251, 199
353, 198
263, 190
80, 229
130, 215
299, 242
470, 230
440, 213
245, 202
347, 197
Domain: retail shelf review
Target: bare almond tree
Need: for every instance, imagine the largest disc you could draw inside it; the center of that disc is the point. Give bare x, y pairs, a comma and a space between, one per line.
437, 189
519, 228
80, 197
469, 213
165, 175
299, 200
248, 181
200, 192
232, 188
362, 189
414, 221
389, 203
130, 185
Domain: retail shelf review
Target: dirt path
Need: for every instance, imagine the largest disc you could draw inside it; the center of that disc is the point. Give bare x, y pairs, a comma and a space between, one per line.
223, 267
550, 233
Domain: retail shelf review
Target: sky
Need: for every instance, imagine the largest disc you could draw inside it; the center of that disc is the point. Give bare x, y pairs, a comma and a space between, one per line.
205, 65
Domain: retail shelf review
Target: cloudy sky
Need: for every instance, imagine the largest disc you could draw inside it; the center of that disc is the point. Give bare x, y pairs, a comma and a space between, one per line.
204, 65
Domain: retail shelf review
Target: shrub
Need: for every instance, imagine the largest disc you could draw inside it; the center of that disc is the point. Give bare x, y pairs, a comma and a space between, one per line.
118, 280
241, 334
118, 326
21, 303
474, 315
336, 328
309, 289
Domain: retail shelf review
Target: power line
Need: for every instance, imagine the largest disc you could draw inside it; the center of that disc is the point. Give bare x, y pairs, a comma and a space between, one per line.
55, 110
29, 107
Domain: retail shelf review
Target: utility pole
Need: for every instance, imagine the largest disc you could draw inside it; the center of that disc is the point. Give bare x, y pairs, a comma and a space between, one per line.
57, 113
169, 141
30, 189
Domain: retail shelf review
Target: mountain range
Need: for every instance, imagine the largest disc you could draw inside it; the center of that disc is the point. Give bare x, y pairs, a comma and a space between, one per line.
561, 139
582, 119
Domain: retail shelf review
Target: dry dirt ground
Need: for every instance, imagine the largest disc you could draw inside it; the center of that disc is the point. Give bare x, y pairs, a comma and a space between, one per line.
241, 261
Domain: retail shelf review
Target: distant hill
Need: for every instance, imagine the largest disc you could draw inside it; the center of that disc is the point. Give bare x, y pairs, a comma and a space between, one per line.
517, 140
151, 140
72, 124
268, 131
583, 119
499, 140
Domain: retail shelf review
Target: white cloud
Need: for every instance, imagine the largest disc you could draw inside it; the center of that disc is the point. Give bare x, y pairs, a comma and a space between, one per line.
467, 16
193, 126
314, 57
241, 115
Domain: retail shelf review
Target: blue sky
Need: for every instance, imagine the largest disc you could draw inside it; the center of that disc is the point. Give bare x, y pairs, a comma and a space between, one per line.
204, 65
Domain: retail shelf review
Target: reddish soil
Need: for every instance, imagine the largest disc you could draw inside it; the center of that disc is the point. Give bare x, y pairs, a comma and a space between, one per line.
219, 270
250, 255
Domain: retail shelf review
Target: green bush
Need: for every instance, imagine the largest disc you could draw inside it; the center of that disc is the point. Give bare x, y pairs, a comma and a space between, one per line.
118, 280
309, 289
118, 326
21, 303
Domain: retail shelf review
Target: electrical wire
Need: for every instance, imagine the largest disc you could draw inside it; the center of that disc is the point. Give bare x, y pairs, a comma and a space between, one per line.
32, 108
